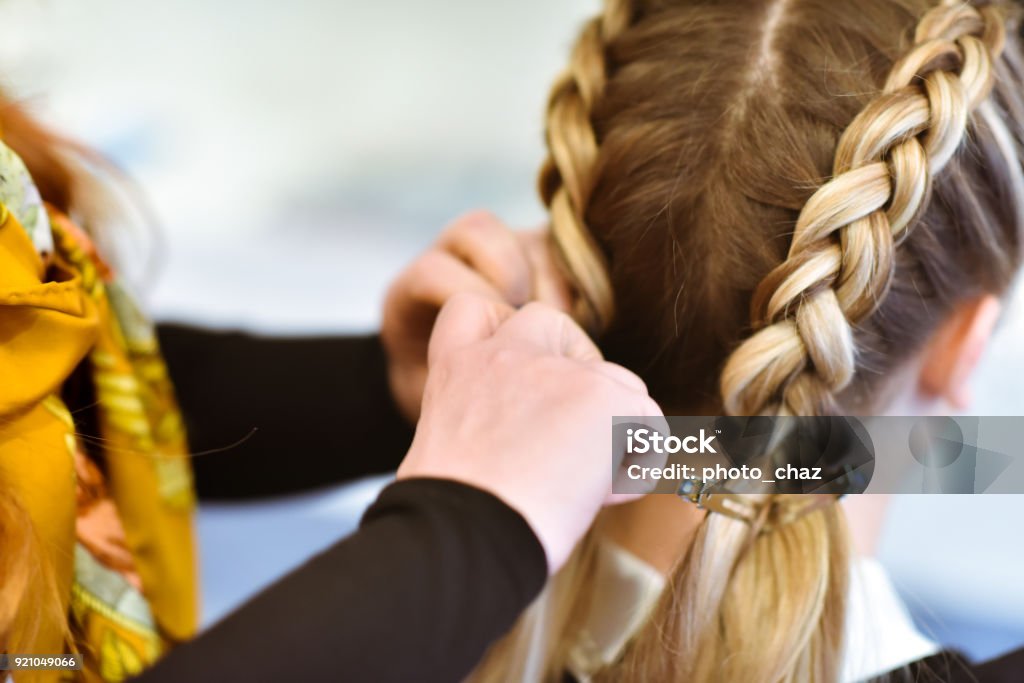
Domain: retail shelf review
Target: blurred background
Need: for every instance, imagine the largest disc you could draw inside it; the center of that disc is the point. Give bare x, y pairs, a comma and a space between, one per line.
336, 138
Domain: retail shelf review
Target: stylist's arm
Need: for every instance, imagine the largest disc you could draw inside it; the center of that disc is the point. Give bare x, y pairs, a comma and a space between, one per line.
509, 465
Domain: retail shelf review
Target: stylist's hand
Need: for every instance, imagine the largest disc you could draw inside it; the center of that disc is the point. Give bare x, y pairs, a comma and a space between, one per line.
520, 404
476, 254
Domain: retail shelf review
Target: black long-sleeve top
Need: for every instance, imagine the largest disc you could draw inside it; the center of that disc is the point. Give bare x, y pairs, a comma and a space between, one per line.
437, 569
421, 589
270, 416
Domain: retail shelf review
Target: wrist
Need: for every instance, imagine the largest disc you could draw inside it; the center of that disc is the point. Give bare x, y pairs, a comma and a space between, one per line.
551, 528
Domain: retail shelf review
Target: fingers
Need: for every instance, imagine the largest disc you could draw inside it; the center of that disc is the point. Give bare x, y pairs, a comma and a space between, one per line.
551, 330
623, 376
478, 254
436, 276
465, 319
554, 331
647, 414
549, 283
493, 250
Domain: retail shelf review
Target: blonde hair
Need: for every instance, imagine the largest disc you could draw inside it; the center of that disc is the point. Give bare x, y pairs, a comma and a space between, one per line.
841, 258
767, 218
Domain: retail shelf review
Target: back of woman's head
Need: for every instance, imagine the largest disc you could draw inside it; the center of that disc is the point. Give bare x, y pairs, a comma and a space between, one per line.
687, 141
769, 207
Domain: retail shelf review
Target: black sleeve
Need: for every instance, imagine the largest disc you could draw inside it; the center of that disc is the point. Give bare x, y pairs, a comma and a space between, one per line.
950, 666
437, 571
1006, 669
273, 415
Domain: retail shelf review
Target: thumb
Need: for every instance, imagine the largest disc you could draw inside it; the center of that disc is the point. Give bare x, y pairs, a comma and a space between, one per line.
464, 319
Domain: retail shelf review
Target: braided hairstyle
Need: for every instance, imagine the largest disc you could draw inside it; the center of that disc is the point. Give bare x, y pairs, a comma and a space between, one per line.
769, 208
841, 258
566, 179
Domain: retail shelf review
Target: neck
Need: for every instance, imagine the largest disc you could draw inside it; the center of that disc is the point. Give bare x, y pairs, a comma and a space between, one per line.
658, 529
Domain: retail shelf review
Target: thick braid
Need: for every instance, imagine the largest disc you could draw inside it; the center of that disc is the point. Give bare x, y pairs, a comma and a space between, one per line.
841, 259
566, 180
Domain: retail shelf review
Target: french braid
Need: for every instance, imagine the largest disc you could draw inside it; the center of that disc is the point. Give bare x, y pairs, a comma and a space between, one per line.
567, 176
840, 261
676, 151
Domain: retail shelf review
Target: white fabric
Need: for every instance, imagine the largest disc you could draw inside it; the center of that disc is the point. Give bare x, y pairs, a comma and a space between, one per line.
880, 633
627, 590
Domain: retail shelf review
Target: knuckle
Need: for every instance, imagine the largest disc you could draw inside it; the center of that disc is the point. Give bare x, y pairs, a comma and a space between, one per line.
539, 310
593, 382
626, 376
465, 302
480, 217
428, 262
505, 358
419, 278
646, 405
396, 291
474, 222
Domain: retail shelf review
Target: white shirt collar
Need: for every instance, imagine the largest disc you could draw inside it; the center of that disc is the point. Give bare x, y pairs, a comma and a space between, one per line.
880, 634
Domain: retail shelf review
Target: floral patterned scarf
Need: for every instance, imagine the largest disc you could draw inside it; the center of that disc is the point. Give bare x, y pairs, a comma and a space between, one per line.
113, 508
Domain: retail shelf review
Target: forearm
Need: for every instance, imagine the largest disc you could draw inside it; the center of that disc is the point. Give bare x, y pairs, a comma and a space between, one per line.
437, 571
272, 415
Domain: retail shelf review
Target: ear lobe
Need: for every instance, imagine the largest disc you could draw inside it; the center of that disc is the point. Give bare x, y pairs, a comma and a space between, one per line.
954, 352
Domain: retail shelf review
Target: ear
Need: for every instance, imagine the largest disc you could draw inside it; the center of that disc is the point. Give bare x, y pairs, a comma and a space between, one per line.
956, 348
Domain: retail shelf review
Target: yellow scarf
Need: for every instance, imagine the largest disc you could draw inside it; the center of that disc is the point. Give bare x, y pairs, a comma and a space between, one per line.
54, 317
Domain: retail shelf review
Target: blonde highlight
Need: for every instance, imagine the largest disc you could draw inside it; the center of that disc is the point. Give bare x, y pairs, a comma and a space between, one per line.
881, 182
670, 204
